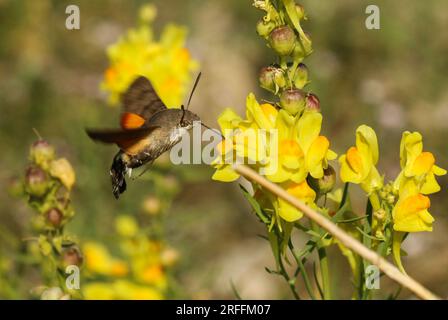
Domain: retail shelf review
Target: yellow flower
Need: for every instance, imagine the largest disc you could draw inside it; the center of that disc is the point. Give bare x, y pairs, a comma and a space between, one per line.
166, 62
417, 165
153, 274
301, 191
243, 139
126, 226
63, 170
119, 290
314, 146
358, 164
98, 260
411, 214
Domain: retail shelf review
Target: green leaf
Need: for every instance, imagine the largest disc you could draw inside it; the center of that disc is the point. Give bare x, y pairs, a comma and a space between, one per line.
255, 205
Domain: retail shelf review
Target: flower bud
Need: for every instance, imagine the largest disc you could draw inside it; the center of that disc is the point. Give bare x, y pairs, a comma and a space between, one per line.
41, 153
282, 40
293, 101
53, 293
303, 47
54, 217
300, 11
36, 181
264, 28
312, 102
169, 257
272, 78
152, 205
71, 256
301, 76
63, 170
324, 184
380, 214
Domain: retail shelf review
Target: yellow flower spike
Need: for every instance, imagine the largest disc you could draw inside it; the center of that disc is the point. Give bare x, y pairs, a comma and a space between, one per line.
301, 191
166, 61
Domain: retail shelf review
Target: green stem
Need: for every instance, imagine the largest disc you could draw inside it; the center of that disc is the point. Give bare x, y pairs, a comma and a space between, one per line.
305, 277
324, 267
291, 282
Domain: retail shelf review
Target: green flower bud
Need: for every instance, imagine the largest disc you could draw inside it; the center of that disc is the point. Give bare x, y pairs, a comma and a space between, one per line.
71, 256
303, 47
301, 76
293, 101
312, 102
282, 40
272, 78
380, 214
300, 11
36, 181
324, 184
54, 217
264, 28
41, 153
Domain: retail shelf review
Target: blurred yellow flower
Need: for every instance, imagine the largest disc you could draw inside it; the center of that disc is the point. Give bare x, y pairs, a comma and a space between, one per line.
165, 62
119, 290
63, 170
98, 260
126, 226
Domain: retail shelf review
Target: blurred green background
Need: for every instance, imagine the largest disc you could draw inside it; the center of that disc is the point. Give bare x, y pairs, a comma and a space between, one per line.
392, 79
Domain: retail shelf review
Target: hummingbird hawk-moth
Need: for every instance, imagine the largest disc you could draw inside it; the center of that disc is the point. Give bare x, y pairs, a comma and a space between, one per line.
148, 129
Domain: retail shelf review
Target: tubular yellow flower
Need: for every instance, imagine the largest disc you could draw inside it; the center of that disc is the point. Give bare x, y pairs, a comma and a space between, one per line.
358, 164
417, 165
411, 214
301, 191
315, 147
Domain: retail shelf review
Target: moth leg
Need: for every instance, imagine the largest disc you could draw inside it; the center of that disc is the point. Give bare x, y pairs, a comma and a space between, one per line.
148, 165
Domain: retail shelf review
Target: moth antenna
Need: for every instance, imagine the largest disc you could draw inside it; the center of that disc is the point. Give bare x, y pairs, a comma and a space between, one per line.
37, 134
183, 115
215, 130
194, 88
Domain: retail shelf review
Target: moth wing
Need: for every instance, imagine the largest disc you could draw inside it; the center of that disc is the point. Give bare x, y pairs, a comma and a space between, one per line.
125, 139
141, 99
